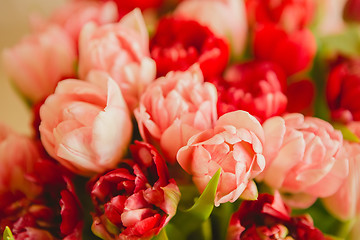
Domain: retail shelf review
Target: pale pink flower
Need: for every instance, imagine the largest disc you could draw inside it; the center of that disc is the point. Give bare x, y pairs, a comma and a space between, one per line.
120, 49
75, 14
227, 18
302, 158
86, 126
40, 61
18, 155
174, 108
345, 203
330, 17
235, 146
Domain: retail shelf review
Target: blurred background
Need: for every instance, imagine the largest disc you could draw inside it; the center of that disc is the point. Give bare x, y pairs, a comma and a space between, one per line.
14, 24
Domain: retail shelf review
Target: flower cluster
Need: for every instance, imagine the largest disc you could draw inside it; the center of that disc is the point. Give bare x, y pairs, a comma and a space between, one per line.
186, 119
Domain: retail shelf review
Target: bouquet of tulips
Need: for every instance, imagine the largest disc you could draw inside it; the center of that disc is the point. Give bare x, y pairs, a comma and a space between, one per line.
186, 119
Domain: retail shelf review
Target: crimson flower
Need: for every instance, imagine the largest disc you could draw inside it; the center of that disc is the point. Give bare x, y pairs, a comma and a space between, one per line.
136, 200
352, 10
179, 43
49, 209
342, 91
269, 218
289, 14
294, 51
257, 87
301, 95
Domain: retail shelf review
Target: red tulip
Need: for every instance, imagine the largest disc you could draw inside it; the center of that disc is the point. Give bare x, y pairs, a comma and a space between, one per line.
342, 91
37, 198
256, 87
300, 95
289, 14
136, 200
179, 43
293, 51
52, 211
269, 218
352, 10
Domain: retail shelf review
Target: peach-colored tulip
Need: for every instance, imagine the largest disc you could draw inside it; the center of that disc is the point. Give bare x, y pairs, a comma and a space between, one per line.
86, 126
235, 145
174, 108
301, 158
122, 51
345, 203
226, 18
330, 17
40, 61
17, 157
73, 15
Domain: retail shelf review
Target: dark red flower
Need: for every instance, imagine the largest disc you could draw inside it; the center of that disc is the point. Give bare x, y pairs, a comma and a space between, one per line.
136, 200
269, 218
257, 87
342, 91
352, 10
300, 95
289, 14
179, 43
293, 51
51, 210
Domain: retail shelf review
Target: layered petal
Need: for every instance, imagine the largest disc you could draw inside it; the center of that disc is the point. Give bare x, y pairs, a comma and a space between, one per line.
235, 146
86, 126
303, 160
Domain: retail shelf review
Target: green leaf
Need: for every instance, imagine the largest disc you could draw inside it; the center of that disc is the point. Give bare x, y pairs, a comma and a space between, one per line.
346, 43
347, 134
203, 207
330, 237
220, 218
174, 232
189, 220
8, 234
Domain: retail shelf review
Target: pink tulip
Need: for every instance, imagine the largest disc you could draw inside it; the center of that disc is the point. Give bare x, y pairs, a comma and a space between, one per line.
226, 18
121, 50
17, 156
235, 146
302, 158
330, 17
345, 203
179, 104
75, 14
86, 126
40, 61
